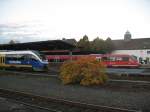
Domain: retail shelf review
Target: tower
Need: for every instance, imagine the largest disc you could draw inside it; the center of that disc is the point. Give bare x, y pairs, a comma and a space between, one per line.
127, 36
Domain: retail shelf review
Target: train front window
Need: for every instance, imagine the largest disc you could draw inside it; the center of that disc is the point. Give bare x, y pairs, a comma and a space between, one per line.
33, 58
40, 55
134, 57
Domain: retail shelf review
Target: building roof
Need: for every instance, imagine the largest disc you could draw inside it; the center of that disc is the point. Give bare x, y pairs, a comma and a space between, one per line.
132, 44
70, 41
40, 45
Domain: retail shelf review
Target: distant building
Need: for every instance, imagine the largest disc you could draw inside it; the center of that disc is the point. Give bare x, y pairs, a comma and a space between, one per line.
138, 47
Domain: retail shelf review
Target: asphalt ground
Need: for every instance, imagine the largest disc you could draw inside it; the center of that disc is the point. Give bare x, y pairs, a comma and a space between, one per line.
108, 95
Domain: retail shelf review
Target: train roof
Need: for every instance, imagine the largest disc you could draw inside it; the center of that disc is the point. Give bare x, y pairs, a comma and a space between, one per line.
16, 52
113, 55
116, 55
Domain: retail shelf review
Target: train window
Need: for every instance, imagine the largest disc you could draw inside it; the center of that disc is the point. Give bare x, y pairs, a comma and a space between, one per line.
14, 58
56, 60
112, 59
32, 57
51, 60
8, 58
11, 57
118, 58
125, 58
133, 57
60, 60
23, 57
104, 58
40, 55
98, 59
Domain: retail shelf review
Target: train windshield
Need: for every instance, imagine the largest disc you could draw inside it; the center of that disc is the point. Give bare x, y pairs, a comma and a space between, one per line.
40, 55
133, 57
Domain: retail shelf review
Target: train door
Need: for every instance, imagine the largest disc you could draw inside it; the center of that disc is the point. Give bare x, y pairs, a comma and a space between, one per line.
2, 60
99, 59
125, 61
25, 60
111, 61
105, 60
56, 59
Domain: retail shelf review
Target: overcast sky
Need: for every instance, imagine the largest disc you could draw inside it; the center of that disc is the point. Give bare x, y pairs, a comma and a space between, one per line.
33, 20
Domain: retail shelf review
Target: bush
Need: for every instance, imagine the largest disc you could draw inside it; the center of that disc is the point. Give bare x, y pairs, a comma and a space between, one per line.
86, 71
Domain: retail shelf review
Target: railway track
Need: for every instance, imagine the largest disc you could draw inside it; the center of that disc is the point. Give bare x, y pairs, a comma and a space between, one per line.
38, 74
56, 105
43, 74
20, 106
109, 71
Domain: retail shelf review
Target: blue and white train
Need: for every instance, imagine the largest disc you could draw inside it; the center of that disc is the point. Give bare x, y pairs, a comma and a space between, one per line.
23, 59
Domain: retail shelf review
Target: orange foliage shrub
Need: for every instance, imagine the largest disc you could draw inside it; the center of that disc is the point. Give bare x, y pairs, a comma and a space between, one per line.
86, 71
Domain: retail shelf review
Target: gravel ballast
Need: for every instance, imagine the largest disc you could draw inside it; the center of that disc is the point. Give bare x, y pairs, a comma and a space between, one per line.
115, 96
7, 105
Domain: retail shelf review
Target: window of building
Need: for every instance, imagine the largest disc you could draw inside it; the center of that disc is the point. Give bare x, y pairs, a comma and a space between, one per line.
148, 52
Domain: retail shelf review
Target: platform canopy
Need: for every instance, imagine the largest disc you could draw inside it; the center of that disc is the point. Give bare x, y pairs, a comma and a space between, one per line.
40, 45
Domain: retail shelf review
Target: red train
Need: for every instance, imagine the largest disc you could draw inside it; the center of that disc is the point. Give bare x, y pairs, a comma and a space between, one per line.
118, 60
110, 60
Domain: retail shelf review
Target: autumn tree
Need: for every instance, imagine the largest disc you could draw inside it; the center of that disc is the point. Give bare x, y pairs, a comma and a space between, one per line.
84, 43
86, 71
12, 42
109, 46
98, 45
